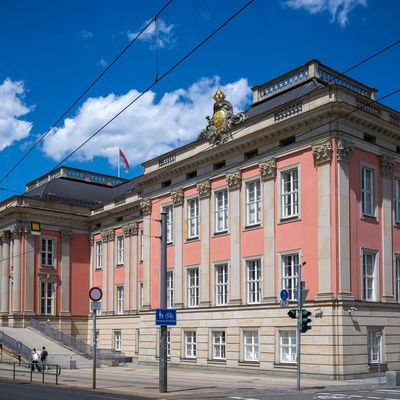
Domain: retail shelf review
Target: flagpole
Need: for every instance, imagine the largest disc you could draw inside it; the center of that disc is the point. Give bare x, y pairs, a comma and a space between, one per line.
119, 164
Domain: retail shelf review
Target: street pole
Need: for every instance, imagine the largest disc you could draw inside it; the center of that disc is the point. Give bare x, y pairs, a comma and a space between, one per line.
94, 348
163, 384
298, 332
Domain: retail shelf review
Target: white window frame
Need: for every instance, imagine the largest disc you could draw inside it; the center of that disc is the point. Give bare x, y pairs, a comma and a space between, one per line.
120, 299
47, 251
253, 280
190, 344
368, 192
141, 245
169, 211
253, 204
99, 254
221, 204
397, 277
290, 199
120, 250
397, 200
193, 287
290, 264
141, 294
193, 218
47, 302
369, 278
117, 340
375, 339
221, 284
250, 345
170, 289
218, 345
288, 347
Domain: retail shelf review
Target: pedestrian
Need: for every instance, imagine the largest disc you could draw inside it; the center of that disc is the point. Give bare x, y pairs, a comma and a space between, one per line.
35, 360
43, 357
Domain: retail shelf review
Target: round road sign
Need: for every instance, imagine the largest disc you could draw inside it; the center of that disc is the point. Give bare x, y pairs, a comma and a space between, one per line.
284, 294
95, 294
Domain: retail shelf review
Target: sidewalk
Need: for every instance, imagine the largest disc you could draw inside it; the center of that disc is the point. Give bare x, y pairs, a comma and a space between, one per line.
189, 383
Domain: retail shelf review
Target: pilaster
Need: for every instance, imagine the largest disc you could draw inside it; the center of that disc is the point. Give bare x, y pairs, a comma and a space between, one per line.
66, 237
104, 239
128, 231
5, 271
111, 265
145, 207
134, 267
16, 233
29, 273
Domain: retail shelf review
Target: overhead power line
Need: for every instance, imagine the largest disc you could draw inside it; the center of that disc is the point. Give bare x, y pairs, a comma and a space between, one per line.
79, 98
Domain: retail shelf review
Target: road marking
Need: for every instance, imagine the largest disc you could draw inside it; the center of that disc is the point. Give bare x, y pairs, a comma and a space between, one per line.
376, 398
355, 395
388, 390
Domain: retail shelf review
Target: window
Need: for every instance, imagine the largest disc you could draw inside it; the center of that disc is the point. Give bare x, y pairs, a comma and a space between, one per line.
120, 250
290, 270
193, 218
398, 278
290, 193
253, 203
251, 154
219, 165
170, 289
190, 344
287, 346
250, 345
218, 345
99, 255
221, 211
191, 174
141, 249
367, 192
374, 347
47, 290
140, 296
47, 253
253, 280
193, 287
369, 275
221, 284
397, 201
170, 223
117, 340
120, 299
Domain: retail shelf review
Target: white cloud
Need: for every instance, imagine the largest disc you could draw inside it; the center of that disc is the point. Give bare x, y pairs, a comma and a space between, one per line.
12, 107
164, 33
103, 62
339, 9
145, 130
86, 34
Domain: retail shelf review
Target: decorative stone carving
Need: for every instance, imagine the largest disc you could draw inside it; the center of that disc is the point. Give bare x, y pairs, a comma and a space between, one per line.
134, 229
66, 236
322, 153
222, 121
387, 165
5, 236
145, 206
268, 170
91, 239
233, 180
130, 230
15, 232
104, 236
343, 150
177, 197
110, 235
204, 189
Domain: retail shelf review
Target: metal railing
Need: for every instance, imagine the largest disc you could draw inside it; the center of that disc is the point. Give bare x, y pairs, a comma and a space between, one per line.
23, 369
15, 346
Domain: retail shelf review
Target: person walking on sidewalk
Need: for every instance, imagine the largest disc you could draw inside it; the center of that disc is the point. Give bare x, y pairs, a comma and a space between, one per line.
43, 357
35, 360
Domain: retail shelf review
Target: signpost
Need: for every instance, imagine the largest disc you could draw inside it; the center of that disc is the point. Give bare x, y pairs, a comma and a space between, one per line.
95, 294
166, 316
284, 298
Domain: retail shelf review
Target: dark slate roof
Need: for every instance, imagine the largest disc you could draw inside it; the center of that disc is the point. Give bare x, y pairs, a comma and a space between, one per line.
283, 98
76, 192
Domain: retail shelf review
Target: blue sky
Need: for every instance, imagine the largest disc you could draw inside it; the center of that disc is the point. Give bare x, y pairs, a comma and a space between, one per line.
51, 51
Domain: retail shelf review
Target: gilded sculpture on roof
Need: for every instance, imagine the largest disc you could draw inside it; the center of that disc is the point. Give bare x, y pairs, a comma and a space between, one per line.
219, 128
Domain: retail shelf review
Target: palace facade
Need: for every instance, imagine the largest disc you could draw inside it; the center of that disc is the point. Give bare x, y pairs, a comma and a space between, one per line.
308, 174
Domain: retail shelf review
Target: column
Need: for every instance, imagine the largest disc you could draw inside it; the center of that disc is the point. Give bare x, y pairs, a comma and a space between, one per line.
178, 200
343, 151
104, 301
204, 190
134, 266
322, 153
92, 260
387, 249
66, 237
111, 269
127, 230
234, 182
16, 233
29, 272
268, 175
5, 271
145, 207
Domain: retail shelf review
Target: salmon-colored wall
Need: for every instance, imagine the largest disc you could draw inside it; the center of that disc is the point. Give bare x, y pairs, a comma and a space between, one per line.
396, 228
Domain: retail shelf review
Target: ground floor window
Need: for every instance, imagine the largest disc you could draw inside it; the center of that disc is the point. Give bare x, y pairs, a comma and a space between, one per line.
250, 345
374, 347
47, 290
287, 346
218, 345
117, 340
190, 344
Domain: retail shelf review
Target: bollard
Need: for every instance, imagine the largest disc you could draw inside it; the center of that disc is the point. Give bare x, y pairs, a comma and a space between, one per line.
31, 365
42, 373
14, 371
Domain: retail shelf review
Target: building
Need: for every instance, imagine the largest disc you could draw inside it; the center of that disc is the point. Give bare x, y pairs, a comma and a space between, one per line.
310, 173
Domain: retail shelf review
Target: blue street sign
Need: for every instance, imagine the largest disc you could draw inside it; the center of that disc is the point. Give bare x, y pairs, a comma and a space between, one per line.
165, 316
284, 294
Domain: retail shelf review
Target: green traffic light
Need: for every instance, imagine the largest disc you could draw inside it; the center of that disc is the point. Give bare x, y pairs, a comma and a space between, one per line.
305, 320
292, 313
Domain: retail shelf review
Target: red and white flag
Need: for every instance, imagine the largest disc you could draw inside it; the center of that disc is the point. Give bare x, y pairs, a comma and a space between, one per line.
124, 160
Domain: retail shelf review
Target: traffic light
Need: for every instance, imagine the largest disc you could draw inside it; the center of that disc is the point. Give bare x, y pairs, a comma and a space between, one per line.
305, 320
292, 313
